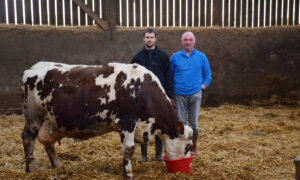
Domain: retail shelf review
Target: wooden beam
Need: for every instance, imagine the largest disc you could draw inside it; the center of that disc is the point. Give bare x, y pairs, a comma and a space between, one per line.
101, 23
111, 14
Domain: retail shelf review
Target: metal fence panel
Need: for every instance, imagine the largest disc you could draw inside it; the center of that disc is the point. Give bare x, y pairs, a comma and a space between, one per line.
162, 13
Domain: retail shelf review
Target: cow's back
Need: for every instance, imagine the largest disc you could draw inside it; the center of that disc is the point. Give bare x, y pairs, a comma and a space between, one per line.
82, 97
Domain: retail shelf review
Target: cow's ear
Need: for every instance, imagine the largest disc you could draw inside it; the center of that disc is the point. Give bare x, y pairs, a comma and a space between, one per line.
179, 127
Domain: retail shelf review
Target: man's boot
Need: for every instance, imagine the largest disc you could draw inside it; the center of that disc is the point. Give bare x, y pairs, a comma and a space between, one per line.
195, 138
144, 153
158, 149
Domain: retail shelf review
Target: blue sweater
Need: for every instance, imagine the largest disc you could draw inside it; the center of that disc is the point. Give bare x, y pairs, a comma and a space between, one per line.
190, 72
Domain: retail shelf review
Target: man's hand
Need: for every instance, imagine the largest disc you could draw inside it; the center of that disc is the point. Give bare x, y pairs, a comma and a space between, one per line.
203, 87
173, 103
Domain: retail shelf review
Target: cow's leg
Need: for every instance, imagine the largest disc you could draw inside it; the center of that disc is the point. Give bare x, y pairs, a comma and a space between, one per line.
55, 162
29, 135
34, 117
128, 150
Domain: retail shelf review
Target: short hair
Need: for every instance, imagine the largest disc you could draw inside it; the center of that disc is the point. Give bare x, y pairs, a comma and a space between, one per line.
149, 30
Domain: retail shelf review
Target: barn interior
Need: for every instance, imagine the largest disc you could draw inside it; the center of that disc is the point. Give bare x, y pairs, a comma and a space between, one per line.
249, 120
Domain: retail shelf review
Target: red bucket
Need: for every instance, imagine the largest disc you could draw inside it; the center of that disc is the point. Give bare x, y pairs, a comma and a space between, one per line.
182, 165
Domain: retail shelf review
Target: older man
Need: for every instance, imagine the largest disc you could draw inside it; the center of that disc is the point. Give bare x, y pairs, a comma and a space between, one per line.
192, 75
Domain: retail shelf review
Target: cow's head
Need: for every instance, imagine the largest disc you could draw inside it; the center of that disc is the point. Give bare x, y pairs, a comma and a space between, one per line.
180, 146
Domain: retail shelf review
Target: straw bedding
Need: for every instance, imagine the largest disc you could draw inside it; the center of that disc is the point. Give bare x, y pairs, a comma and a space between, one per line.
235, 142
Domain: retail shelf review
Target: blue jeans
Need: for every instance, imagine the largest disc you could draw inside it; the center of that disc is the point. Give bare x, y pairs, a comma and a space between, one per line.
188, 106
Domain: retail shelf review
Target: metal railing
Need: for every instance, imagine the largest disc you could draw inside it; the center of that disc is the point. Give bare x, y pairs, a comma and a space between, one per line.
47, 12
262, 13
155, 13
166, 13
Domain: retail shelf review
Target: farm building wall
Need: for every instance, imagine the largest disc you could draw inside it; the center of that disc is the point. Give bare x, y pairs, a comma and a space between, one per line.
248, 65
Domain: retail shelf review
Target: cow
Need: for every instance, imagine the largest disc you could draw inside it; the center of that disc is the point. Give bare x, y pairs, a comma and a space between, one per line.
84, 101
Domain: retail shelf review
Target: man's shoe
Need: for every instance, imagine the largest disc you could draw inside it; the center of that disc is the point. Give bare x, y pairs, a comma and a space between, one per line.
158, 149
159, 158
142, 159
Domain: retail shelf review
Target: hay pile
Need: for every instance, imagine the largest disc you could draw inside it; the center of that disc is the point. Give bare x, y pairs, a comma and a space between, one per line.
235, 142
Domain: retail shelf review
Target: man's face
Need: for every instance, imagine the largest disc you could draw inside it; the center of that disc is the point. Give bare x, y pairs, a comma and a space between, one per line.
149, 40
188, 41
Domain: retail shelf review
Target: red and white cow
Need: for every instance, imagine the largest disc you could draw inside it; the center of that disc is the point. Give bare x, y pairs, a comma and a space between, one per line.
82, 101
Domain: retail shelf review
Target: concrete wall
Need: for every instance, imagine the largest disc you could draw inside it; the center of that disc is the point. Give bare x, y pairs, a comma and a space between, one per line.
247, 64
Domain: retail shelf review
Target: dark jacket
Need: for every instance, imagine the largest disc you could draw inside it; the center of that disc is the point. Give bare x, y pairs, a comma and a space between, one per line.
158, 62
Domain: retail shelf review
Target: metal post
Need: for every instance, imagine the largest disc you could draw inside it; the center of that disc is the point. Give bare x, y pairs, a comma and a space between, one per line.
199, 13
167, 15
241, 14
23, 8
64, 13
193, 13
265, 12
173, 13
234, 17
154, 13
160, 13
120, 5
235, 9
71, 12
180, 12
141, 13
32, 15
186, 13
205, 12
55, 4
147, 13
6, 12
276, 12
40, 12
270, 15
127, 13
48, 13
16, 14
100, 9
86, 16
247, 11
299, 14
211, 13
288, 13
134, 13
223, 13
258, 14
229, 13
78, 16
282, 4
294, 12
93, 7
252, 22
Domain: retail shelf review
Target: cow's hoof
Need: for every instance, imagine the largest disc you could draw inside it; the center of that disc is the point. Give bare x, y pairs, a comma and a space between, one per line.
127, 175
128, 178
57, 164
30, 167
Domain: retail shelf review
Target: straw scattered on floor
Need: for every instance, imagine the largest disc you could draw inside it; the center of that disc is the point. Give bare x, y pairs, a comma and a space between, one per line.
235, 142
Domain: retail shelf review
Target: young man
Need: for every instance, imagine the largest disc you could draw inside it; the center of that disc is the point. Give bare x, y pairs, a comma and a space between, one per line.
156, 61
192, 75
